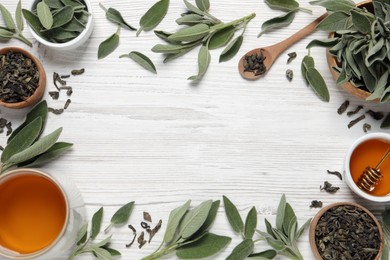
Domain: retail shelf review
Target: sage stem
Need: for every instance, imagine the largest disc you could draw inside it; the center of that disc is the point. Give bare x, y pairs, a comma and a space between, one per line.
233, 23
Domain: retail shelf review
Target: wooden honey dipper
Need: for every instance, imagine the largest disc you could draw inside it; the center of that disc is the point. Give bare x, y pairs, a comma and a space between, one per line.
371, 176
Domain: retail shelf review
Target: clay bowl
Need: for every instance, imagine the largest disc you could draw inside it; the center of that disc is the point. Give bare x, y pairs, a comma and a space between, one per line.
34, 98
323, 210
332, 62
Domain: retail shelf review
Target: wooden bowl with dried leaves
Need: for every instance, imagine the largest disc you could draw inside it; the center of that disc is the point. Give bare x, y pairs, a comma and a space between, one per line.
23, 78
345, 229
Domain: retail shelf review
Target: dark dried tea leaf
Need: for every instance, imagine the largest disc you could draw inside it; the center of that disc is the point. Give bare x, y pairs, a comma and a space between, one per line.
69, 92
77, 72
366, 127
316, 204
141, 241
338, 174
289, 75
153, 231
353, 112
355, 121
291, 57
255, 63
328, 187
67, 103
132, 241
54, 94
343, 107
145, 225
55, 111
147, 216
65, 76
375, 115
9, 128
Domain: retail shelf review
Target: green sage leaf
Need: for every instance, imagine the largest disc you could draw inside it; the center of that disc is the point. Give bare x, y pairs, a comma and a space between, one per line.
32, 20
56, 150
142, 60
302, 228
54, 4
102, 253
170, 48
174, 219
7, 17
103, 243
108, 46
280, 212
231, 50
39, 147
376, 52
318, 84
44, 15
284, 5
62, 35
221, 37
153, 16
203, 5
276, 244
23, 139
6, 34
208, 245
180, 53
380, 87
72, 3
96, 223
250, 223
289, 215
74, 26
233, 215
242, 250
163, 35
334, 22
211, 217
19, 16
325, 43
62, 17
267, 254
116, 17
334, 6
361, 22
39, 110
204, 58
112, 251
307, 62
277, 22
192, 8
194, 219
190, 19
82, 234
122, 215
190, 34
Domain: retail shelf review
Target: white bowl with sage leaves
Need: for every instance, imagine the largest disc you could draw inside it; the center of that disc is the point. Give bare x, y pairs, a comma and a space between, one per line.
60, 24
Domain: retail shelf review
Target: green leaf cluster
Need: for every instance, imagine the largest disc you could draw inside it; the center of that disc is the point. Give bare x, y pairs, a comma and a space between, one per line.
247, 230
58, 21
290, 7
361, 44
314, 78
13, 28
205, 30
284, 236
101, 250
187, 232
25, 146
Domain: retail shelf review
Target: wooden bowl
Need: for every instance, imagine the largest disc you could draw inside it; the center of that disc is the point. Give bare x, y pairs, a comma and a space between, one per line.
317, 217
332, 62
37, 95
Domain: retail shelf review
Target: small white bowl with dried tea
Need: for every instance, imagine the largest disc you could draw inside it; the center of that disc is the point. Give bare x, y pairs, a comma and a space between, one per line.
346, 230
22, 78
60, 24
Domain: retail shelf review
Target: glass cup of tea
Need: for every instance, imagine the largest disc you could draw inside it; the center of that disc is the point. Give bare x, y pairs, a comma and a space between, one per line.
40, 215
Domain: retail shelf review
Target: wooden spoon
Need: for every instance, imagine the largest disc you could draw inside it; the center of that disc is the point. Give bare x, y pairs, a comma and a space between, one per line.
271, 53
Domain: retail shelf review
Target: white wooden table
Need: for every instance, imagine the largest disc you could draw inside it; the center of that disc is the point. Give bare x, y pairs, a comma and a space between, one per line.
159, 140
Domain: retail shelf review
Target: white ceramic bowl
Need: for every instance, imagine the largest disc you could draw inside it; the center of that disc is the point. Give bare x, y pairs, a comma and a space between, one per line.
76, 42
347, 173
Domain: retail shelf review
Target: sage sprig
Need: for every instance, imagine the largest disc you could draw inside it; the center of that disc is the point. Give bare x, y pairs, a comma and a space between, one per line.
13, 28
85, 242
153, 16
202, 29
284, 236
360, 44
187, 233
58, 21
26, 148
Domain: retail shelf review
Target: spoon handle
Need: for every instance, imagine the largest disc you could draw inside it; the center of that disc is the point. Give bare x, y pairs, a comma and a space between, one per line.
302, 33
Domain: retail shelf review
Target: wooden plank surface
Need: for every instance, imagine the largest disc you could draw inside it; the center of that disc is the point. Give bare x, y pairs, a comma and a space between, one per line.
160, 140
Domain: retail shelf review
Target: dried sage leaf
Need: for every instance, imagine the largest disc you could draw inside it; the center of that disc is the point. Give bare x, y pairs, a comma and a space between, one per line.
206, 246
250, 223
334, 22
96, 223
44, 15
204, 58
231, 50
153, 16
108, 46
203, 5
142, 60
190, 34
242, 250
221, 37
194, 219
174, 219
277, 22
19, 16
317, 82
233, 215
7, 17
116, 17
